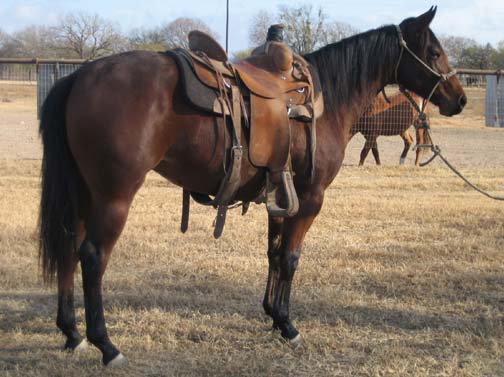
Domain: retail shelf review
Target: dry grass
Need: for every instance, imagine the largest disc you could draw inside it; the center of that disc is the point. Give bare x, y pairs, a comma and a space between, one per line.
401, 274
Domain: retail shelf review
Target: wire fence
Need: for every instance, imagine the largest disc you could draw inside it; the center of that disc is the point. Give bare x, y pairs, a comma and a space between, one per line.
26, 73
47, 75
393, 114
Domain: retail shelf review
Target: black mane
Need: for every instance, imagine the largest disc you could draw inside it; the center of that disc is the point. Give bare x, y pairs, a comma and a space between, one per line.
347, 68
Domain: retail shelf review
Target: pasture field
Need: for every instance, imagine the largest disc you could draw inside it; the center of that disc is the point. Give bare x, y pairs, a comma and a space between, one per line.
402, 273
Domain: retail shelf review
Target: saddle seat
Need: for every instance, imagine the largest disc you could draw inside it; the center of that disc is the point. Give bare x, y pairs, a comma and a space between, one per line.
257, 73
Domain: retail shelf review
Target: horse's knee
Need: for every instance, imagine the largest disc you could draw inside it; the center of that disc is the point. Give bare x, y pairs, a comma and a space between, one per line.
290, 264
274, 244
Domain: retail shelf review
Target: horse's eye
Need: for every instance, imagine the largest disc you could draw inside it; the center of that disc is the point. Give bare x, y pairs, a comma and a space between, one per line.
433, 54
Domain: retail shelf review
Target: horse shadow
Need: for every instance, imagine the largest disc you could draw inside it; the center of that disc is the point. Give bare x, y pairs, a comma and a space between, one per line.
210, 294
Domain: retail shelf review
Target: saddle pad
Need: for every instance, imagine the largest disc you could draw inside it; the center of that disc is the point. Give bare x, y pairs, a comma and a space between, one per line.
269, 133
196, 93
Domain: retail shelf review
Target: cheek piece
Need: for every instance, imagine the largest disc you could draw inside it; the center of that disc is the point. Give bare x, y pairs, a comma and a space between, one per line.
442, 77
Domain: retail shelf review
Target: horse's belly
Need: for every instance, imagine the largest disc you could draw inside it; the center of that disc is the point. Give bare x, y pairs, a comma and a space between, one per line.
199, 166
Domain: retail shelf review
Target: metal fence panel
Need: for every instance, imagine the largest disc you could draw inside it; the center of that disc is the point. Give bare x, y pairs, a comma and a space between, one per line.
500, 100
491, 116
18, 72
47, 75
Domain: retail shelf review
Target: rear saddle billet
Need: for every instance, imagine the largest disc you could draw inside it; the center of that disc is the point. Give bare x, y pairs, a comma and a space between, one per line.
261, 92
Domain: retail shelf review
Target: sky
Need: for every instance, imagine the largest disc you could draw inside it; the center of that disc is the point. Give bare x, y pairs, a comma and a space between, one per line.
482, 20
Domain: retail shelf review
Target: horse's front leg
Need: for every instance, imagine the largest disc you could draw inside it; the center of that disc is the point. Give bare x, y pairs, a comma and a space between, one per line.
408, 140
285, 262
275, 227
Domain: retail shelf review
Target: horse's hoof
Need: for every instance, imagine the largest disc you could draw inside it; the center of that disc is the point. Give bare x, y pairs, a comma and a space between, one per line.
296, 341
71, 346
118, 361
81, 347
402, 161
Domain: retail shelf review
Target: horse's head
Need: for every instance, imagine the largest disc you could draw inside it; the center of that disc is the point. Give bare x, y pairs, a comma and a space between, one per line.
424, 68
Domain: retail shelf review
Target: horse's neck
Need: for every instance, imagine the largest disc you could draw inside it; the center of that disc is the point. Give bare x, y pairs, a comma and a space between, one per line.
346, 116
359, 87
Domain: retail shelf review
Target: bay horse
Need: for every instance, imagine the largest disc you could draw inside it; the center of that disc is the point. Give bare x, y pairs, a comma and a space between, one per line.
390, 117
108, 124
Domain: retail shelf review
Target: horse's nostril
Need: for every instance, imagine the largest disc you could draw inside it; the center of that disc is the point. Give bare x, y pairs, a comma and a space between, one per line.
462, 100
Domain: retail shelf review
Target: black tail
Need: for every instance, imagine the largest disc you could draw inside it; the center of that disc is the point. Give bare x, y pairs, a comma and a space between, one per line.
58, 204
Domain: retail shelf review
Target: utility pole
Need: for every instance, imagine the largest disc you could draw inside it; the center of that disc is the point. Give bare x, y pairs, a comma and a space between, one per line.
227, 25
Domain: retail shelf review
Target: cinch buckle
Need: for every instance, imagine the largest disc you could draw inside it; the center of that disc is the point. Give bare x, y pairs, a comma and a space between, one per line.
237, 149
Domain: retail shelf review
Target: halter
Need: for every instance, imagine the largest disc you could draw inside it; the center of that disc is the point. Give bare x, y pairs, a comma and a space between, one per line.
442, 77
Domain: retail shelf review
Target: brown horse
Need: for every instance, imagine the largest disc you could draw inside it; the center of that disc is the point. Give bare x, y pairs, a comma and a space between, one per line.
107, 125
390, 118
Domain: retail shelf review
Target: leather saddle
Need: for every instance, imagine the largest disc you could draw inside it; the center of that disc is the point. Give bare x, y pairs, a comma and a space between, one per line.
273, 87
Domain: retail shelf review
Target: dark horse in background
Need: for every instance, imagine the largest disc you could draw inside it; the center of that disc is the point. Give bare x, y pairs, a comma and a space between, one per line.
390, 117
114, 120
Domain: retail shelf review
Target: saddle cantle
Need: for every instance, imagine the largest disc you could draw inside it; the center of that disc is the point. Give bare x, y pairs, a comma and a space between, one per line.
272, 88
199, 41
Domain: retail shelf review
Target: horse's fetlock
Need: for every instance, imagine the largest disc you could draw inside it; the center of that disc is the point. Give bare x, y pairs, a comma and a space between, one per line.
280, 315
65, 322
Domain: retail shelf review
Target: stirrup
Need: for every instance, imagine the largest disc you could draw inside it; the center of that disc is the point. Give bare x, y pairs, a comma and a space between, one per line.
274, 195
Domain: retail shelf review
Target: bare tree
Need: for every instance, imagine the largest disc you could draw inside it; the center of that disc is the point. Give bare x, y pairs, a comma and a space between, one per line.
88, 36
242, 54
4, 42
9, 46
4, 37
455, 47
498, 57
259, 27
35, 41
304, 30
147, 39
477, 57
336, 31
175, 33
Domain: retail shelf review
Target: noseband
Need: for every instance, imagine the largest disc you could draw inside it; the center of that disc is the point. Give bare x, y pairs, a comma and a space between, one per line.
442, 77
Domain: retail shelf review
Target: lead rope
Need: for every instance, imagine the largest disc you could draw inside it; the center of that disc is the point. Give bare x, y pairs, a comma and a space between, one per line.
436, 150
423, 122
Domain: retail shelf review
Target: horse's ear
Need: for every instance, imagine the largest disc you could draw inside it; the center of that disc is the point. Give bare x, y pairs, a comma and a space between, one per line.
421, 23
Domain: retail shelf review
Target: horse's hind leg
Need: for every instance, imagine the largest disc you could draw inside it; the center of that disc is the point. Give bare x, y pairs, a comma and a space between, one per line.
373, 145
421, 140
408, 140
275, 226
66, 312
104, 226
365, 151
376, 154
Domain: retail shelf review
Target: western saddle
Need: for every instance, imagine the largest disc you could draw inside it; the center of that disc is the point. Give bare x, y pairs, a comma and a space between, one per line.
261, 93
